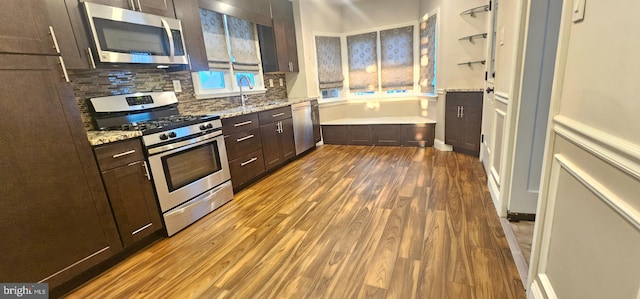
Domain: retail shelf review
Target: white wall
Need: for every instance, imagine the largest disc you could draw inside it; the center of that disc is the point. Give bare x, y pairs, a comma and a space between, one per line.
587, 237
360, 16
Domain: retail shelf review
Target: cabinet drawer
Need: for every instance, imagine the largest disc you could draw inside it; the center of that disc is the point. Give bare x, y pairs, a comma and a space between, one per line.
245, 168
272, 115
117, 154
243, 143
239, 123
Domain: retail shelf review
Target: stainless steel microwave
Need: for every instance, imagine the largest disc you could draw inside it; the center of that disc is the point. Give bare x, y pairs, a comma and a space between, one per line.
127, 36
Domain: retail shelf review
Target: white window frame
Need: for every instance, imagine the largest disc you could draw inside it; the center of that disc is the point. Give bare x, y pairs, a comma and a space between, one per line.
231, 86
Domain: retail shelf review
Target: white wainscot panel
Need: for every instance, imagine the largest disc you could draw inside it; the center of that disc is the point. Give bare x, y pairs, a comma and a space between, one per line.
585, 219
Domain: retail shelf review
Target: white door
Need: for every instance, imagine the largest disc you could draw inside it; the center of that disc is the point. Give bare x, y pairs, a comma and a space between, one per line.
502, 69
533, 106
587, 237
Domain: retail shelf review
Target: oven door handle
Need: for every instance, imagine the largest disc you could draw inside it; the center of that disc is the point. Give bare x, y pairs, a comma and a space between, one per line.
177, 145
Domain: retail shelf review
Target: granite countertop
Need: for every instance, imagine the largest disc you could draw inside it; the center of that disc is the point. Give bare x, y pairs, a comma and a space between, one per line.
103, 137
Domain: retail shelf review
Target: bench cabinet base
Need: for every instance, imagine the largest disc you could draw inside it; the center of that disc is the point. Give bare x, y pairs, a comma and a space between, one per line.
420, 135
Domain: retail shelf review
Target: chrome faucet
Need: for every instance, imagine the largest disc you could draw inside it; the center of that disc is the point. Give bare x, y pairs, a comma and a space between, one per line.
242, 96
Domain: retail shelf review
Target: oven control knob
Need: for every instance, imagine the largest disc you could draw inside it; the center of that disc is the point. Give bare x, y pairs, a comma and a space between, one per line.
203, 127
172, 135
209, 126
164, 137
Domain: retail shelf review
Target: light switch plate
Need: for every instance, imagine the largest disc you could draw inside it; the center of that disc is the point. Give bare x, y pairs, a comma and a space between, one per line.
270, 82
281, 82
176, 86
578, 10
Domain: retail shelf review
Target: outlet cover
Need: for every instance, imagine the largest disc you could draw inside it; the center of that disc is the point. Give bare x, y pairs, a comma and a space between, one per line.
177, 87
281, 82
270, 82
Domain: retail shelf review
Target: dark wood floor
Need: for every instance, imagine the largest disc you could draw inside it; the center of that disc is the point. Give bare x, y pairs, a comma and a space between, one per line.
342, 222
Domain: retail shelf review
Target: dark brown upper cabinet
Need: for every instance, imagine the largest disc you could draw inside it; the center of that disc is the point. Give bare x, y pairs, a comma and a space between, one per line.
278, 42
256, 11
24, 28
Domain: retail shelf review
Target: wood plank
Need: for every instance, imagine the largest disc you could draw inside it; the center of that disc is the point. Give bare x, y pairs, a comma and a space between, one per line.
341, 222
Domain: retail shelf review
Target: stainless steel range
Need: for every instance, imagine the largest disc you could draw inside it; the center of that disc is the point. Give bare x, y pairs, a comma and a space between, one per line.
187, 155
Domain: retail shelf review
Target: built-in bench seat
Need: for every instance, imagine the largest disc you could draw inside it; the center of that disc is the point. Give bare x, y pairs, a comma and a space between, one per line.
391, 131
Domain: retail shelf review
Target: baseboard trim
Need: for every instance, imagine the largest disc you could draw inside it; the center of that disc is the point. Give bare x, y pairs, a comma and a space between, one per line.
518, 257
441, 146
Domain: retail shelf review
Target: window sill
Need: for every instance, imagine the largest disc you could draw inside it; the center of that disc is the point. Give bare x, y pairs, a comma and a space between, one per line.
226, 94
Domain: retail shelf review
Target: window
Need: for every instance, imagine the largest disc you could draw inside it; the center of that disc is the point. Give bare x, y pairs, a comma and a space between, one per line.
428, 54
232, 52
363, 62
382, 61
329, 59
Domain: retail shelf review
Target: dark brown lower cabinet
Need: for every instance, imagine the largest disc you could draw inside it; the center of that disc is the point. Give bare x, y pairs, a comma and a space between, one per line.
463, 121
386, 135
126, 179
56, 221
315, 120
278, 143
246, 168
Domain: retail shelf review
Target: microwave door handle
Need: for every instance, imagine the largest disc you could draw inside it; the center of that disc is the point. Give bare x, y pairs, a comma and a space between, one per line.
167, 29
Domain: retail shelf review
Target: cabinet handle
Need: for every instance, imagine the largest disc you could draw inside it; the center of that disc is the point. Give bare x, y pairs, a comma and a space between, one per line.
244, 138
142, 228
55, 40
242, 124
458, 115
248, 162
279, 127
461, 111
277, 114
132, 5
123, 154
92, 61
139, 6
146, 170
64, 69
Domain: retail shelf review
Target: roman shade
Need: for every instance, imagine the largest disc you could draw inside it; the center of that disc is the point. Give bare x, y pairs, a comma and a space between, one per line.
215, 39
396, 50
329, 58
242, 41
363, 62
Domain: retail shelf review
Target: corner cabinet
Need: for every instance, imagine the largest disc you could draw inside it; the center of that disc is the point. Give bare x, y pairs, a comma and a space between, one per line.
129, 188
54, 207
276, 128
278, 43
463, 121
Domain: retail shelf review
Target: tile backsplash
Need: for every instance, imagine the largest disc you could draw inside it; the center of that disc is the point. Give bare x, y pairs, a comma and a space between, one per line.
107, 82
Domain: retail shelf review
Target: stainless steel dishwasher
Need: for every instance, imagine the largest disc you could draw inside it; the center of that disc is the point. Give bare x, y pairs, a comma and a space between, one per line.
302, 126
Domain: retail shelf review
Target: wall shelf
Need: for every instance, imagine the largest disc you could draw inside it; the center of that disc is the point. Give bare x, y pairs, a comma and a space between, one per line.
472, 12
469, 63
470, 38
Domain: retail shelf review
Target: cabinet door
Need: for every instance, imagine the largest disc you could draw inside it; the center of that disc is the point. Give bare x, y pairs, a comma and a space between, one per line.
157, 7
359, 135
315, 119
187, 11
386, 135
285, 35
71, 34
133, 202
24, 27
472, 115
454, 125
270, 145
53, 202
287, 139
332, 134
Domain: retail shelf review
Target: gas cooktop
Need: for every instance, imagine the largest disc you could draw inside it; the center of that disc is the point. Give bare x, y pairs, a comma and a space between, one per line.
163, 123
